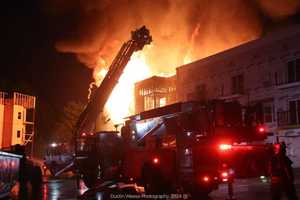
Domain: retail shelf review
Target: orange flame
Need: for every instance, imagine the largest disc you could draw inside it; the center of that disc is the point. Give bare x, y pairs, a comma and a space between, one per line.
121, 102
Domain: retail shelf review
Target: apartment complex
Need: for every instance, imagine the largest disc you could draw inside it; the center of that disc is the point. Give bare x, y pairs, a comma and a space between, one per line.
16, 119
265, 71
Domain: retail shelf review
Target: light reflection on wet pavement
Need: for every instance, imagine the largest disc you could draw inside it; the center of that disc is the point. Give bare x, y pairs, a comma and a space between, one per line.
246, 189
62, 189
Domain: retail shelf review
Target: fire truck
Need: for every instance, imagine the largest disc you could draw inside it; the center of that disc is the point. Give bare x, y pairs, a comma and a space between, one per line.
193, 146
189, 146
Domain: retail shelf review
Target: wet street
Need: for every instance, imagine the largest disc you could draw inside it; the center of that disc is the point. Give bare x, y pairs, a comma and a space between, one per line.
62, 189
244, 189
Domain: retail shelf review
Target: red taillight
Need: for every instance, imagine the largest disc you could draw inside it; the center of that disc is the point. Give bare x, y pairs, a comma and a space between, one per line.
155, 160
205, 178
83, 134
225, 147
224, 174
261, 129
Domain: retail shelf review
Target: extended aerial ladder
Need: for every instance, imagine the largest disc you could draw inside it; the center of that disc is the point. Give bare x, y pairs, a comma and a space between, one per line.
87, 119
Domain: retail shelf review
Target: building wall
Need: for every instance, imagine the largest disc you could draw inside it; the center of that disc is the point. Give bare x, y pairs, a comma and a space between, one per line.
1, 122
18, 128
264, 67
8, 124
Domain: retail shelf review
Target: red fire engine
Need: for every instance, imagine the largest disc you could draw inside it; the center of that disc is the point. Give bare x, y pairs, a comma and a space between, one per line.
193, 146
189, 146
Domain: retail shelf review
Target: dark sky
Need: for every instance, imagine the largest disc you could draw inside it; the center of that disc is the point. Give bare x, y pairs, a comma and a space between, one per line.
30, 63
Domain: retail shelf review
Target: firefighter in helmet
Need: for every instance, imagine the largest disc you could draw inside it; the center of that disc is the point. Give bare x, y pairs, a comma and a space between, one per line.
282, 176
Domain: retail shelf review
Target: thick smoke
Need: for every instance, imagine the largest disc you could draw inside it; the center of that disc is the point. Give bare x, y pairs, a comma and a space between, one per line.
279, 9
181, 29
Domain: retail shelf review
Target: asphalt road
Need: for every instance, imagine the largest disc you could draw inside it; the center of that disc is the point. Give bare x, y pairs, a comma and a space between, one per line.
244, 189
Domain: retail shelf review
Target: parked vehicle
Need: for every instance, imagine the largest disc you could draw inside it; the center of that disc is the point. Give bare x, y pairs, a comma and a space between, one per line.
9, 172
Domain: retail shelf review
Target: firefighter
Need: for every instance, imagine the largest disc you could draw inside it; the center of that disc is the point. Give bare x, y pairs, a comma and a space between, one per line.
282, 177
23, 172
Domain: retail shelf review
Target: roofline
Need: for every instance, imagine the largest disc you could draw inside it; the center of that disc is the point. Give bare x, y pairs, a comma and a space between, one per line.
245, 47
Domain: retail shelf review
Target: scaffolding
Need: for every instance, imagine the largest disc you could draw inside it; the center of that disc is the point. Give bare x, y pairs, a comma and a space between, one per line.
154, 92
24, 100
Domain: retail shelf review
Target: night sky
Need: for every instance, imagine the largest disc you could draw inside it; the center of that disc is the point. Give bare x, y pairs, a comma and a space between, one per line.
30, 63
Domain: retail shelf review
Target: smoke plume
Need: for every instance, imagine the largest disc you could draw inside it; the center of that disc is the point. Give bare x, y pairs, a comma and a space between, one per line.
182, 30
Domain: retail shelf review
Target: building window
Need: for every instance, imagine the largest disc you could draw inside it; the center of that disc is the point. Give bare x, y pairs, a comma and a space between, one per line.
162, 101
148, 102
294, 112
276, 78
18, 134
19, 115
268, 112
237, 84
294, 71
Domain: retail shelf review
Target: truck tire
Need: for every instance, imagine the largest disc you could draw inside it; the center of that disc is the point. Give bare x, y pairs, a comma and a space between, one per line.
153, 181
89, 180
90, 176
197, 192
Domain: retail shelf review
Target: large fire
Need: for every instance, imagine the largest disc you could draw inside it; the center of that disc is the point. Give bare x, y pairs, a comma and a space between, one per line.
121, 102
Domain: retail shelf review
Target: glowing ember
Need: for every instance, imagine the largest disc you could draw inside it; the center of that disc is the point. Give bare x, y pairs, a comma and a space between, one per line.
121, 102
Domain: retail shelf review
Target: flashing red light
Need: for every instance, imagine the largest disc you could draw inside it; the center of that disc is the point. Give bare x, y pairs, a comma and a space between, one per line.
155, 160
276, 148
83, 134
224, 174
205, 178
261, 129
225, 147
225, 179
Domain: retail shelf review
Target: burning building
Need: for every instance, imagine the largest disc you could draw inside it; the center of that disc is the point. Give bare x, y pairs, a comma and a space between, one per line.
16, 119
264, 72
154, 92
